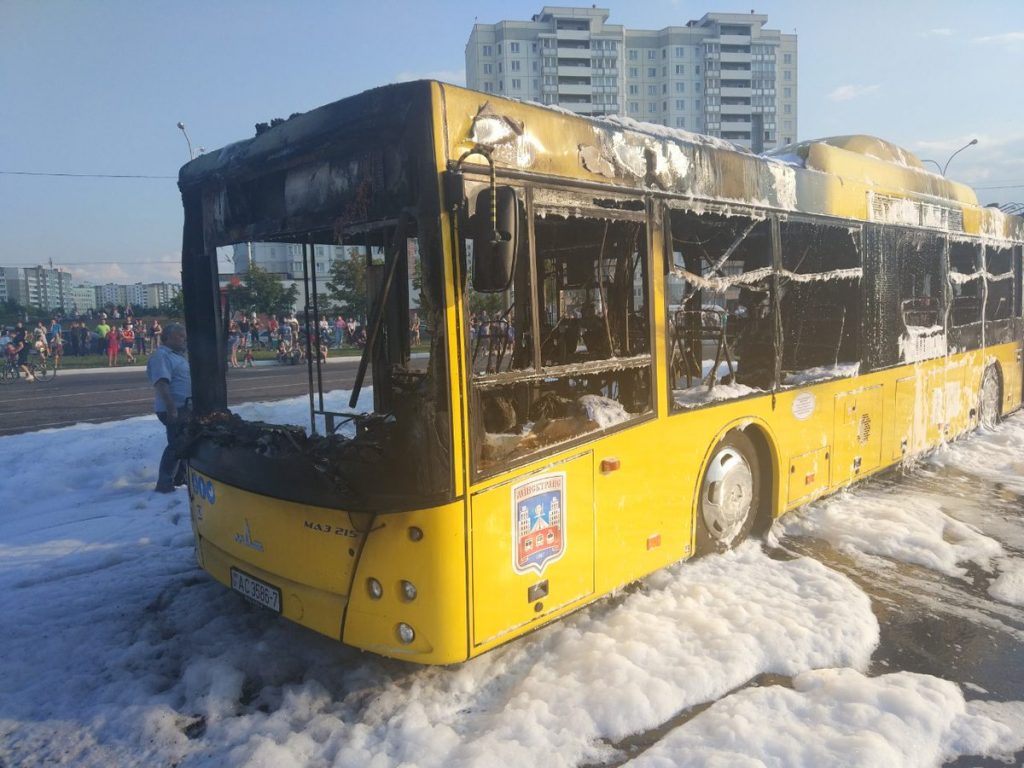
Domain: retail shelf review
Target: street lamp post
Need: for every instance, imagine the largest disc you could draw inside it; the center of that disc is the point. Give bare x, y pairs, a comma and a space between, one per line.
181, 127
971, 143
942, 168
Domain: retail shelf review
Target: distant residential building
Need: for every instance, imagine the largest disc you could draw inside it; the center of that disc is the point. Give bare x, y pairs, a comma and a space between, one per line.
158, 294
42, 287
111, 294
83, 298
724, 74
284, 259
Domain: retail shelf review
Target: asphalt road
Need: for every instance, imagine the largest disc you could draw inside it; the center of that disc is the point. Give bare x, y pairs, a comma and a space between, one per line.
105, 395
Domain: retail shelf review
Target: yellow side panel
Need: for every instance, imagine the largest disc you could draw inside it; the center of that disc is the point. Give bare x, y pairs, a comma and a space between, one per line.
643, 508
533, 547
935, 403
858, 434
808, 475
903, 422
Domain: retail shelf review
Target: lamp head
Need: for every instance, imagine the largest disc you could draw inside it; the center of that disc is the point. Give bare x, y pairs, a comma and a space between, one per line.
181, 126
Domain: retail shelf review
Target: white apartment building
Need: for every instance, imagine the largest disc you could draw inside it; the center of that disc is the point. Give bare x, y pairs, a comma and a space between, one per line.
111, 294
42, 287
283, 259
83, 298
724, 74
158, 294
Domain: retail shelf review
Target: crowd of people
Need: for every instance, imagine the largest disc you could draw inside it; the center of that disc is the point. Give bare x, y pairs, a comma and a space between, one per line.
116, 336
122, 338
287, 336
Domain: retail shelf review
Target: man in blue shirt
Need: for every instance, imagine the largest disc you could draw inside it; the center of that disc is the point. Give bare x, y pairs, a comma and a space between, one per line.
171, 378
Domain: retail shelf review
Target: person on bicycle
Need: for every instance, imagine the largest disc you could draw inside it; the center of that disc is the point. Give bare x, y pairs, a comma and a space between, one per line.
19, 340
39, 343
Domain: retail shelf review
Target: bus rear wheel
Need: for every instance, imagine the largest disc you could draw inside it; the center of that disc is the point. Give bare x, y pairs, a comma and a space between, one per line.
989, 411
730, 494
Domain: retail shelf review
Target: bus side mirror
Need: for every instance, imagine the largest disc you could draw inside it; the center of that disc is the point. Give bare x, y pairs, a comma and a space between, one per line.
495, 239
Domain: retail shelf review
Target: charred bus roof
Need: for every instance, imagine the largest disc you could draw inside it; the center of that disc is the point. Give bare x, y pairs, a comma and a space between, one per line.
301, 173
353, 159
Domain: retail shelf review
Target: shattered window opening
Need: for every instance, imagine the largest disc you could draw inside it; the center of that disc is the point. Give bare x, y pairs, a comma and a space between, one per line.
719, 295
999, 268
590, 305
361, 452
966, 285
820, 301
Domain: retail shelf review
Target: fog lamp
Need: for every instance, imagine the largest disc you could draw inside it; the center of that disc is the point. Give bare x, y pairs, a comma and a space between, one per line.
408, 591
406, 633
374, 588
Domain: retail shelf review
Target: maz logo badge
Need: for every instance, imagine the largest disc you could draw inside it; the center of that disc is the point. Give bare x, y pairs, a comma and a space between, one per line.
247, 540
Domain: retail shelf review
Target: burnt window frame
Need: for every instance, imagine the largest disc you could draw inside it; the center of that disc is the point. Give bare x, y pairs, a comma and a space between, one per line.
596, 204
856, 231
958, 320
757, 217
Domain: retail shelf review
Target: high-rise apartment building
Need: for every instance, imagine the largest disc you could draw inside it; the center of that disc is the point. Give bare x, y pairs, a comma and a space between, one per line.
41, 287
723, 74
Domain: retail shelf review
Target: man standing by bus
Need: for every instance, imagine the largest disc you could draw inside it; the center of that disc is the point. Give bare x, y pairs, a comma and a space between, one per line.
169, 373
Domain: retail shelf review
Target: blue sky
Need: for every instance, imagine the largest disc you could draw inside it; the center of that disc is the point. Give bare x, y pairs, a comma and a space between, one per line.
97, 86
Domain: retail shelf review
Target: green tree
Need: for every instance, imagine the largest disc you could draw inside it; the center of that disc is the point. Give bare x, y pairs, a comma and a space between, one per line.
346, 287
175, 307
262, 292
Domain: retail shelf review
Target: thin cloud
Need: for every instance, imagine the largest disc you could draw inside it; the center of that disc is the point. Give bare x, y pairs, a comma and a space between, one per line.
1007, 38
850, 92
942, 32
458, 77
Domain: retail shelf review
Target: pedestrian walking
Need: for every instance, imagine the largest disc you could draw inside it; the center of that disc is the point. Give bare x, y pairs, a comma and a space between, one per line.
169, 373
128, 342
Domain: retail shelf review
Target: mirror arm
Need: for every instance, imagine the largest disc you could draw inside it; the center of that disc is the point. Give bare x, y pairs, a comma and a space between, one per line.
485, 152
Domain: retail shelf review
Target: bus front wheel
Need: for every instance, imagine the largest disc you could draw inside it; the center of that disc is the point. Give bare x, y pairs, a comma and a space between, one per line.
730, 494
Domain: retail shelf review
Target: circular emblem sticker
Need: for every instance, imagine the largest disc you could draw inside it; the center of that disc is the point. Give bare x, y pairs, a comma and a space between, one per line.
803, 406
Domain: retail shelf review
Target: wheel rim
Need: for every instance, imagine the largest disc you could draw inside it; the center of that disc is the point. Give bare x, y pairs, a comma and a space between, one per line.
727, 495
989, 400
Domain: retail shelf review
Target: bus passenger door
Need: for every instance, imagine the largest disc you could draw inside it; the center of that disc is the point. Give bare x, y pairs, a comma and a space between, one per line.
532, 544
858, 434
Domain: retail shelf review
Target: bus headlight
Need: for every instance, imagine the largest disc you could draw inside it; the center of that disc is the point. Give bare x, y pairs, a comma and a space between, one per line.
374, 588
408, 591
406, 633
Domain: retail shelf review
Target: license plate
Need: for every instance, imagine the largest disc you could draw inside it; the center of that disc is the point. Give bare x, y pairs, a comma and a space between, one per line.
255, 590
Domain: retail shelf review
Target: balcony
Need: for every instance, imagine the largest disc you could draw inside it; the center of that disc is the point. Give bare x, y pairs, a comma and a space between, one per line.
574, 90
734, 39
565, 52
735, 109
739, 58
580, 70
572, 34
735, 92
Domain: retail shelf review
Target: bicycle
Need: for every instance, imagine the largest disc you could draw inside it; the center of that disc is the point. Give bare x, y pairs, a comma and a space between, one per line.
42, 370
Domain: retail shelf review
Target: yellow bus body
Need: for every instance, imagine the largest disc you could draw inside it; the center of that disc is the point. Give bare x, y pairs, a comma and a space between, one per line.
626, 521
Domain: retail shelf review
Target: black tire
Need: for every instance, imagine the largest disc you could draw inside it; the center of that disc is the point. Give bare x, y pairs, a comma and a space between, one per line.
43, 371
729, 495
990, 398
9, 375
